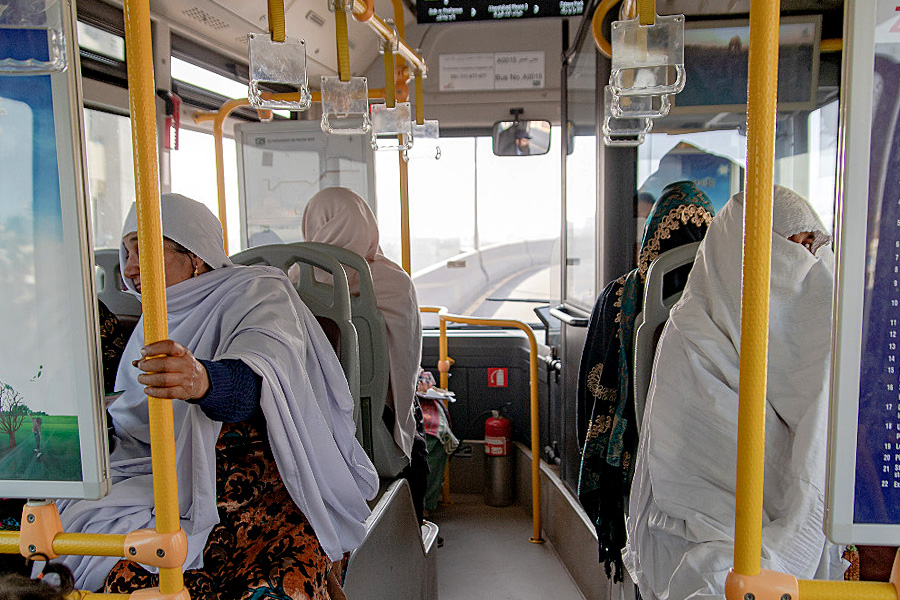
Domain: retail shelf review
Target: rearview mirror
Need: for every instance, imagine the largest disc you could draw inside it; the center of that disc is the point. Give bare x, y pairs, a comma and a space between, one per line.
521, 138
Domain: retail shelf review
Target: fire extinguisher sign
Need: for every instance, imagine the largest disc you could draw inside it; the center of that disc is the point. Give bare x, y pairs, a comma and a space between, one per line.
498, 377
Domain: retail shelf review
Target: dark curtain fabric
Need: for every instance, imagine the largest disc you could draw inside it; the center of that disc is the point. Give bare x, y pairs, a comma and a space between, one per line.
605, 398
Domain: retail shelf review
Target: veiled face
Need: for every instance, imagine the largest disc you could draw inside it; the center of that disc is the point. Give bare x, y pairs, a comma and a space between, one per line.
805, 239
179, 265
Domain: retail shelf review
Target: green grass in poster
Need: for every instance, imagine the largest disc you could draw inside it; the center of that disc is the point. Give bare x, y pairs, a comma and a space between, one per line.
57, 459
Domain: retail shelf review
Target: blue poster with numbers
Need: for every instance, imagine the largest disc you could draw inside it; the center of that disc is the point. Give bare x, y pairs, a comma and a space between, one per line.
877, 497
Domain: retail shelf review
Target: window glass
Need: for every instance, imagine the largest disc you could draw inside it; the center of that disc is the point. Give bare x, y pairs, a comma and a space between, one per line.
806, 161
110, 169
581, 184
207, 80
482, 237
100, 41
194, 175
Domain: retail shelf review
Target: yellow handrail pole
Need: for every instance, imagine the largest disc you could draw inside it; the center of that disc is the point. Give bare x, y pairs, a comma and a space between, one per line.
761, 106
218, 119
600, 40
93, 596
846, 590
276, 20
142, 102
395, 73
444, 363
387, 33
420, 100
404, 216
535, 425
83, 544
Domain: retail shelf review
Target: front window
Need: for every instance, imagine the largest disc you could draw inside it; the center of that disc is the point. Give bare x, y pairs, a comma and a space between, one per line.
482, 239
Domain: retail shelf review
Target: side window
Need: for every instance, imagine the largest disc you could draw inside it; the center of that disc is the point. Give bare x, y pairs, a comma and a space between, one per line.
110, 168
194, 175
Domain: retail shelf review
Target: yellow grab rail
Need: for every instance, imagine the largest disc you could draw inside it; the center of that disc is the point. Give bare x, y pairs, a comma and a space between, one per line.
444, 367
600, 40
846, 590
142, 101
81, 544
387, 33
762, 89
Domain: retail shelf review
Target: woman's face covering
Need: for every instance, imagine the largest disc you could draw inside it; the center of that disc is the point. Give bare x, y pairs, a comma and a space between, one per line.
179, 266
805, 239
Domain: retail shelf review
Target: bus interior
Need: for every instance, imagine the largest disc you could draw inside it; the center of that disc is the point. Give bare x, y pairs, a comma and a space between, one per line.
492, 234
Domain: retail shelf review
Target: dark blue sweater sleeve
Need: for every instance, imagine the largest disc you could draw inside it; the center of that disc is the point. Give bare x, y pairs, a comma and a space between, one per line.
234, 390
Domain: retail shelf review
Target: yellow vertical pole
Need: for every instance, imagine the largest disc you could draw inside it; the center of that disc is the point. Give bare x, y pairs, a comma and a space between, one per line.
535, 438
761, 106
142, 102
420, 99
404, 215
405, 255
218, 134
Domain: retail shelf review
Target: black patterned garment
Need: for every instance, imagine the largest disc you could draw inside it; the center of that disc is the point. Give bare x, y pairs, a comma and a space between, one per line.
113, 337
605, 397
263, 546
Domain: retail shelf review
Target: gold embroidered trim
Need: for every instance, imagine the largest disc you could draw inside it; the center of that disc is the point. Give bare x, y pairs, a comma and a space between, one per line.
678, 216
599, 425
619, 293
593, 379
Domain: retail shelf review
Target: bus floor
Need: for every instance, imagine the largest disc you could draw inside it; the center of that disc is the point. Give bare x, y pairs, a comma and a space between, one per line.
487, 555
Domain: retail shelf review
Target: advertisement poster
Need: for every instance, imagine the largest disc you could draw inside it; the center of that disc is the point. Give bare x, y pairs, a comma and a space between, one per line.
877, 485
49, 381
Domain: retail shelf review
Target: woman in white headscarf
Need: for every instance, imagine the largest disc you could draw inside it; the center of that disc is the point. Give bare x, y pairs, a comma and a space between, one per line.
244, 350
681, 516
338, 216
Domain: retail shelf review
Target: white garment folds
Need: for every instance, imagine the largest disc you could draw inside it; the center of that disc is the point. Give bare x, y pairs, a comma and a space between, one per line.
251, 314
340, 217
681, 521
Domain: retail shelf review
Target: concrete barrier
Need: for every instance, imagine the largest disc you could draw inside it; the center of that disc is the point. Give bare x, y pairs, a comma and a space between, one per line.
461, 280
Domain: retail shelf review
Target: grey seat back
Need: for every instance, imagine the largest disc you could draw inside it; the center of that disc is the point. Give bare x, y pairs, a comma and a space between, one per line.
396, 559
374, 364
655, 313
110, 288
328, 300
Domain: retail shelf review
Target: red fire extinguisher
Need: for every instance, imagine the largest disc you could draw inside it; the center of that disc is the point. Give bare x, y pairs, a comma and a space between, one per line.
497, 435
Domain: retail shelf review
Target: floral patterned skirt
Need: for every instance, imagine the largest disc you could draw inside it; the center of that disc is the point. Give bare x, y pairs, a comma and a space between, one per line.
263, 546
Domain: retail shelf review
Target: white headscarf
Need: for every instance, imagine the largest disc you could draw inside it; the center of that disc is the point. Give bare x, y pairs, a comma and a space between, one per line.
252, 314
338, 216
681, 518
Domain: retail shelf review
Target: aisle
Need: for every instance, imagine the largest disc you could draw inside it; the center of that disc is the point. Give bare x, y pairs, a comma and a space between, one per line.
487, 556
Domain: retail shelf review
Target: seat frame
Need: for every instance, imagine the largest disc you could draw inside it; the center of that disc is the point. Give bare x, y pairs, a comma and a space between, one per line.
655, 313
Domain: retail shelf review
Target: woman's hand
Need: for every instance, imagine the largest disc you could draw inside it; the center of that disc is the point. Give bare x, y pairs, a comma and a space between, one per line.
171, 371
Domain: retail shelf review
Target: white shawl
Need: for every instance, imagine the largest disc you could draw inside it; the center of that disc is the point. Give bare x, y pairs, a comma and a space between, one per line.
681, 519
338, 216
252, 314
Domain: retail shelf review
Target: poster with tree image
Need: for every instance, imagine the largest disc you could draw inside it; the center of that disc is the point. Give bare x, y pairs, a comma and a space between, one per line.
50, 390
